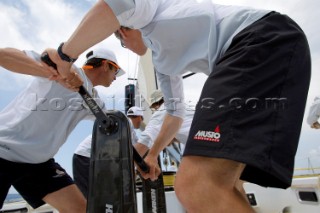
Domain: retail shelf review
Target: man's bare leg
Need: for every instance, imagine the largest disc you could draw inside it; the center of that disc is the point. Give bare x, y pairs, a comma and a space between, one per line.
239, 186
67, 200
209, 185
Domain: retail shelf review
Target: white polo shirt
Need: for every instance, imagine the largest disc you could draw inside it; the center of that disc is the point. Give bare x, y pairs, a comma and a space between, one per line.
184, 35
153, 127
38, 121
314, 111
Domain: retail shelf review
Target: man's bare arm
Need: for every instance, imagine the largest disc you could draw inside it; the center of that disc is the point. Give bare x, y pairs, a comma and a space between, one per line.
141, 148
169, 129
17, 61
98, 24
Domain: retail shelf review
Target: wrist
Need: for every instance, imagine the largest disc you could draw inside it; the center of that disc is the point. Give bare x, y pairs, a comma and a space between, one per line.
64, 56
153, 153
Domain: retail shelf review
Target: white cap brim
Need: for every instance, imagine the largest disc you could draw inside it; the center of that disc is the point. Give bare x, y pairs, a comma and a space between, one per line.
120, 73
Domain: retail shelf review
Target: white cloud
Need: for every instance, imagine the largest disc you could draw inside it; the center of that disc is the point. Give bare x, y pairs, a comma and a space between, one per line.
33, 25
50, 22
10, 18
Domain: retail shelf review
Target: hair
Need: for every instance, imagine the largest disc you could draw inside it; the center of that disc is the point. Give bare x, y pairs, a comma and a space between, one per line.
135, 116
158, 103
96, 62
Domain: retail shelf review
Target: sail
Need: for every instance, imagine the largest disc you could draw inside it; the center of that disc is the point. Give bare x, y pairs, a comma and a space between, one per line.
146, 84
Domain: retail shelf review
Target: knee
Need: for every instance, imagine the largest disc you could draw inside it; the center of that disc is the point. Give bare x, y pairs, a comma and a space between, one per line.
183, 186
80, 206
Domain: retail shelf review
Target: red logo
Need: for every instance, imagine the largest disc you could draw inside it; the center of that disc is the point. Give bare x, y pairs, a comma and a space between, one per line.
213, 136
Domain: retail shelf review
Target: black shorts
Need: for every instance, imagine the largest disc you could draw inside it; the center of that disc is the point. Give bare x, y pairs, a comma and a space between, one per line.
81, 171
252, 104
32, 181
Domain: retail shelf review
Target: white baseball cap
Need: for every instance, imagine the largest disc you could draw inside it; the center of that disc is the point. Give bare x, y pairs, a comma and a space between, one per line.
135, 111
156, 96
102, 53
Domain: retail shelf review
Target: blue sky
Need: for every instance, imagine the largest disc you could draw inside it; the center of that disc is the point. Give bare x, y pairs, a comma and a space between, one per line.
38, 24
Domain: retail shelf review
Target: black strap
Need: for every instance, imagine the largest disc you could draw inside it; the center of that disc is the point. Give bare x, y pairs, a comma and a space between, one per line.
63, 56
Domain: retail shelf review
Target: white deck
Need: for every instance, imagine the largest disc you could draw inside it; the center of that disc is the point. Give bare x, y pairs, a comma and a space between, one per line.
291, 200
302, 197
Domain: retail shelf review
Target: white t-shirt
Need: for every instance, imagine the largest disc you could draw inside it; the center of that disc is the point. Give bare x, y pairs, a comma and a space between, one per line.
153, 127
134, 137
314, 111
184, 35
84, 148
38, 121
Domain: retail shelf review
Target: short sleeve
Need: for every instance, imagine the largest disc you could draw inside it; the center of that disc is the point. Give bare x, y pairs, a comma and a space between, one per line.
172, 88
134, 13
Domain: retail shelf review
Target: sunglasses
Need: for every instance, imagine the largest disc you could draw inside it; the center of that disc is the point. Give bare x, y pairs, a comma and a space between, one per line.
114, 65
91, 66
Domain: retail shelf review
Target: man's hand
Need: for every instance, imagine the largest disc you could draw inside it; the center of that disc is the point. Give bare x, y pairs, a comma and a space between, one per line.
64, 69
315, 125
154, 172
64, 83
67, 76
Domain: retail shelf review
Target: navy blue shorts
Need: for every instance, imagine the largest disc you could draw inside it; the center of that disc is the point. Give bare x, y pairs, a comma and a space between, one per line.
252, 104
32, 181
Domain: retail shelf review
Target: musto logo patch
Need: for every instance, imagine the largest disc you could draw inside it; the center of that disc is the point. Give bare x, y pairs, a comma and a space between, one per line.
213, 136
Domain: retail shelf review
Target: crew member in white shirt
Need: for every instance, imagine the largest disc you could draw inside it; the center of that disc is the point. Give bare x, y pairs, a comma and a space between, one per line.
314, 114
135, 115
37, 123
152, 129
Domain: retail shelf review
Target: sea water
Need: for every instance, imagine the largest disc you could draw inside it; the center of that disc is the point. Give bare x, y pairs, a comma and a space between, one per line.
13, 198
